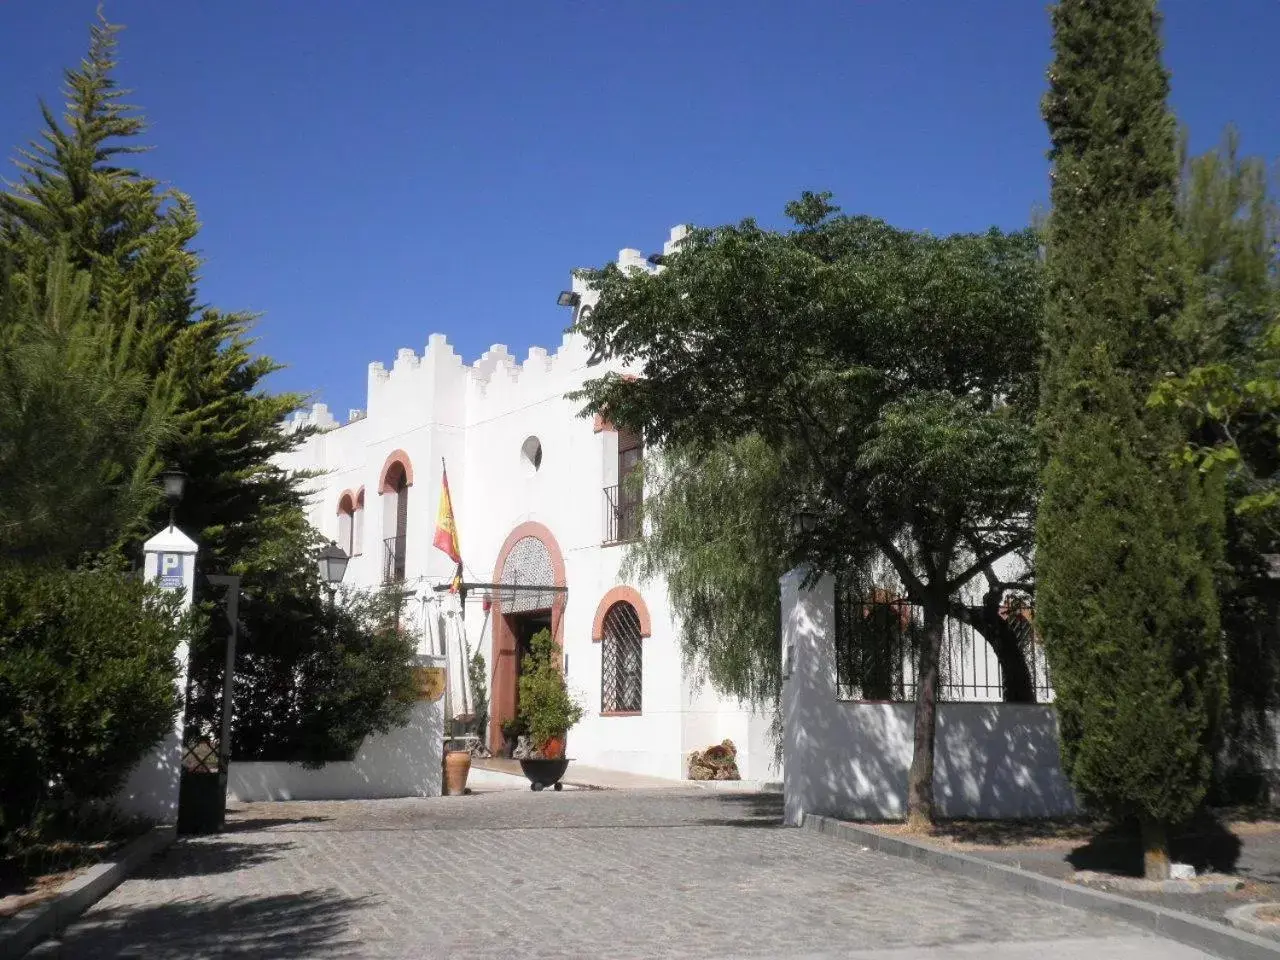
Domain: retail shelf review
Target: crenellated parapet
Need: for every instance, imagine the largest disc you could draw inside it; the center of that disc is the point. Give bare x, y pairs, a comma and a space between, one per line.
435, 385
318, 416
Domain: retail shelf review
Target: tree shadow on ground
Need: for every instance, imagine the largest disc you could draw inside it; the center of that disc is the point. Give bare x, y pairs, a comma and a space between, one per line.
313, 925
254, 824
1205, 843
759, 810
204, 857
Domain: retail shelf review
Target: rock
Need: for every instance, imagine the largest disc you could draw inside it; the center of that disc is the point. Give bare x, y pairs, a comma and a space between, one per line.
1181, 871
715, 763
524, 749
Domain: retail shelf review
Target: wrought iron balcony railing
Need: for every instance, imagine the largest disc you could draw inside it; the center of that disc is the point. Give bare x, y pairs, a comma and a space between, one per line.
393, 560
621, 515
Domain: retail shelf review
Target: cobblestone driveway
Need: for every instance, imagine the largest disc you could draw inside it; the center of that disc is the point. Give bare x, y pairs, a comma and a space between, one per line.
575, 874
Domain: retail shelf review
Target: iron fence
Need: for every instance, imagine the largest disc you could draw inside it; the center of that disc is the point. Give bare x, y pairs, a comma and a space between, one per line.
393, 559
878, 644
621, 515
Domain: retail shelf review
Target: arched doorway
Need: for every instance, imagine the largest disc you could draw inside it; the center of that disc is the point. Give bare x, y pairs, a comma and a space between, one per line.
530, 557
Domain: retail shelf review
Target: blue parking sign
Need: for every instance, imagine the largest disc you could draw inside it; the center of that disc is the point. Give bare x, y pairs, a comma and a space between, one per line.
171, 570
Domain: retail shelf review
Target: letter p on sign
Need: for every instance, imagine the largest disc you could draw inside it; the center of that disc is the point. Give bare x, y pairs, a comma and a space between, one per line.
171, 570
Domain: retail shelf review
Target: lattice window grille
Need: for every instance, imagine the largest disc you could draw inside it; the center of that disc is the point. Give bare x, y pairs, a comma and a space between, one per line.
621, 660
528, 564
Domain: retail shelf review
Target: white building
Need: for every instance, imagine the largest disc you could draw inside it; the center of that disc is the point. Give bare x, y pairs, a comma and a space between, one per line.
535, 489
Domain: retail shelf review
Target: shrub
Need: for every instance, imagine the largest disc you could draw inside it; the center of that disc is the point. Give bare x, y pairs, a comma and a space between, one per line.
87, 685
311, 682
477, 673
545, 702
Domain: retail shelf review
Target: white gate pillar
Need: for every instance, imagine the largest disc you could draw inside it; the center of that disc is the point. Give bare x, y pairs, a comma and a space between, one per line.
808, 688
151, 789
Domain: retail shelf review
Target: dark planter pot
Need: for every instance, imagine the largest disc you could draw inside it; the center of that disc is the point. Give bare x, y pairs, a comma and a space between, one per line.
545, 773
202, 802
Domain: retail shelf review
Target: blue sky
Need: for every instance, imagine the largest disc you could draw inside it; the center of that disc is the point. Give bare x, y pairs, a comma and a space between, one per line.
369, 173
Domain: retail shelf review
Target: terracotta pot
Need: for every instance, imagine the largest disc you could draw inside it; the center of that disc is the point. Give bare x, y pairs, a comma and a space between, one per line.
553, 748
457, 764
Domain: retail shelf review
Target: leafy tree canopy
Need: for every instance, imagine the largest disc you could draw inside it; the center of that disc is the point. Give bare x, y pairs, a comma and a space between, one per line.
893, 372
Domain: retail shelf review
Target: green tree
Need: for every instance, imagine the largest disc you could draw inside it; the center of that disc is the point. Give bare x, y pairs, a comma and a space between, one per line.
134, 239
79, 702
1231, 220
80, 424
894, 364
1126, 542
717, 537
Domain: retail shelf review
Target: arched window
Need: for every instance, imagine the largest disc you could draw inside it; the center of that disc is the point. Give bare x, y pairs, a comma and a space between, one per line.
357, 522
397, 476
621, 662
346, 523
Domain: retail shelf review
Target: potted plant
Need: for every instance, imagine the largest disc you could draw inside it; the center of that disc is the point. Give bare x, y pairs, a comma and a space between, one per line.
512, 731
548, 710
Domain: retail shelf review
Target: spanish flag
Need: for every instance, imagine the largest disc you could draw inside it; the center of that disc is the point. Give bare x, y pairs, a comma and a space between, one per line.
446, 529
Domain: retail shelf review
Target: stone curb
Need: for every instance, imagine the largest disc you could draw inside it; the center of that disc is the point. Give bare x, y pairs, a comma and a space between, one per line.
43, 920
1214, 938
1245, 917
737, 786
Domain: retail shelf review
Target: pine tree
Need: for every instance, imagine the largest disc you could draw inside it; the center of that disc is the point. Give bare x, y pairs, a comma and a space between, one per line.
81, 425
133, 239
1126, 540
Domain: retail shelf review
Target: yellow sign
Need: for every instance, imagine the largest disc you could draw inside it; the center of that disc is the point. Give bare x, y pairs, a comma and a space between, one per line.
430, 682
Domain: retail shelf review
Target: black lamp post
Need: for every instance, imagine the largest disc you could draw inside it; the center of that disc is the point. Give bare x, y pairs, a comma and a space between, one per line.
333, 565
175, 485
803, 523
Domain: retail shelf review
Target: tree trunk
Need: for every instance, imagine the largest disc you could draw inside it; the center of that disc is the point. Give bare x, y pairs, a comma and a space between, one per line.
1019, 687
920, 809
1155, 850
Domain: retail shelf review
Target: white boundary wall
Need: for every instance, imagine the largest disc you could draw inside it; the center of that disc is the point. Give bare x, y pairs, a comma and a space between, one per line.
850, 760
403, 763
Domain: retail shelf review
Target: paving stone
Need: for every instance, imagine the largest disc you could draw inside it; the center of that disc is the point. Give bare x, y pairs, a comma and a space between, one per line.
623, 874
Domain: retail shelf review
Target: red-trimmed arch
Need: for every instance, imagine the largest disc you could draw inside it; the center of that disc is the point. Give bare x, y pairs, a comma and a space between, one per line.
388, 470
348, 500
503, 654
621, 594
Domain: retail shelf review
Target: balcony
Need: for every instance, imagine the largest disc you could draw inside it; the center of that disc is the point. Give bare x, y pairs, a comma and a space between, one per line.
393, 560
621, 515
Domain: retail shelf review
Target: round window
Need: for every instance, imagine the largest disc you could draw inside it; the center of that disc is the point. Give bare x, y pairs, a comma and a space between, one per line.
531, 455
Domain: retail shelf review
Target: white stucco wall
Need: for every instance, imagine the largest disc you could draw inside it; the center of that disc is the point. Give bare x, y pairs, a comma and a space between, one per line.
402, 763
851, 759
477, 416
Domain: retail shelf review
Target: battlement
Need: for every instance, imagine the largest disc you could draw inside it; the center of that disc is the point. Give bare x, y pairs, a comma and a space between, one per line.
318, 416
440, 363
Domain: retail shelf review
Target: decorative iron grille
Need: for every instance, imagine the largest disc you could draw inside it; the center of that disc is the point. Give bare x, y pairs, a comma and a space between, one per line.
527, 565
878, 644
621, 515
393, 549
621, 660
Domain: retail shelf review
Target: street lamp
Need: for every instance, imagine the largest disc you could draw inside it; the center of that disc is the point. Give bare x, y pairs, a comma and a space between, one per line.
803, 523
568, 298
333, 564
175, 484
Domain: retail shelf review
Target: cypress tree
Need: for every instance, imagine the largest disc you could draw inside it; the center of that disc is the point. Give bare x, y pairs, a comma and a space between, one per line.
1127, 539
